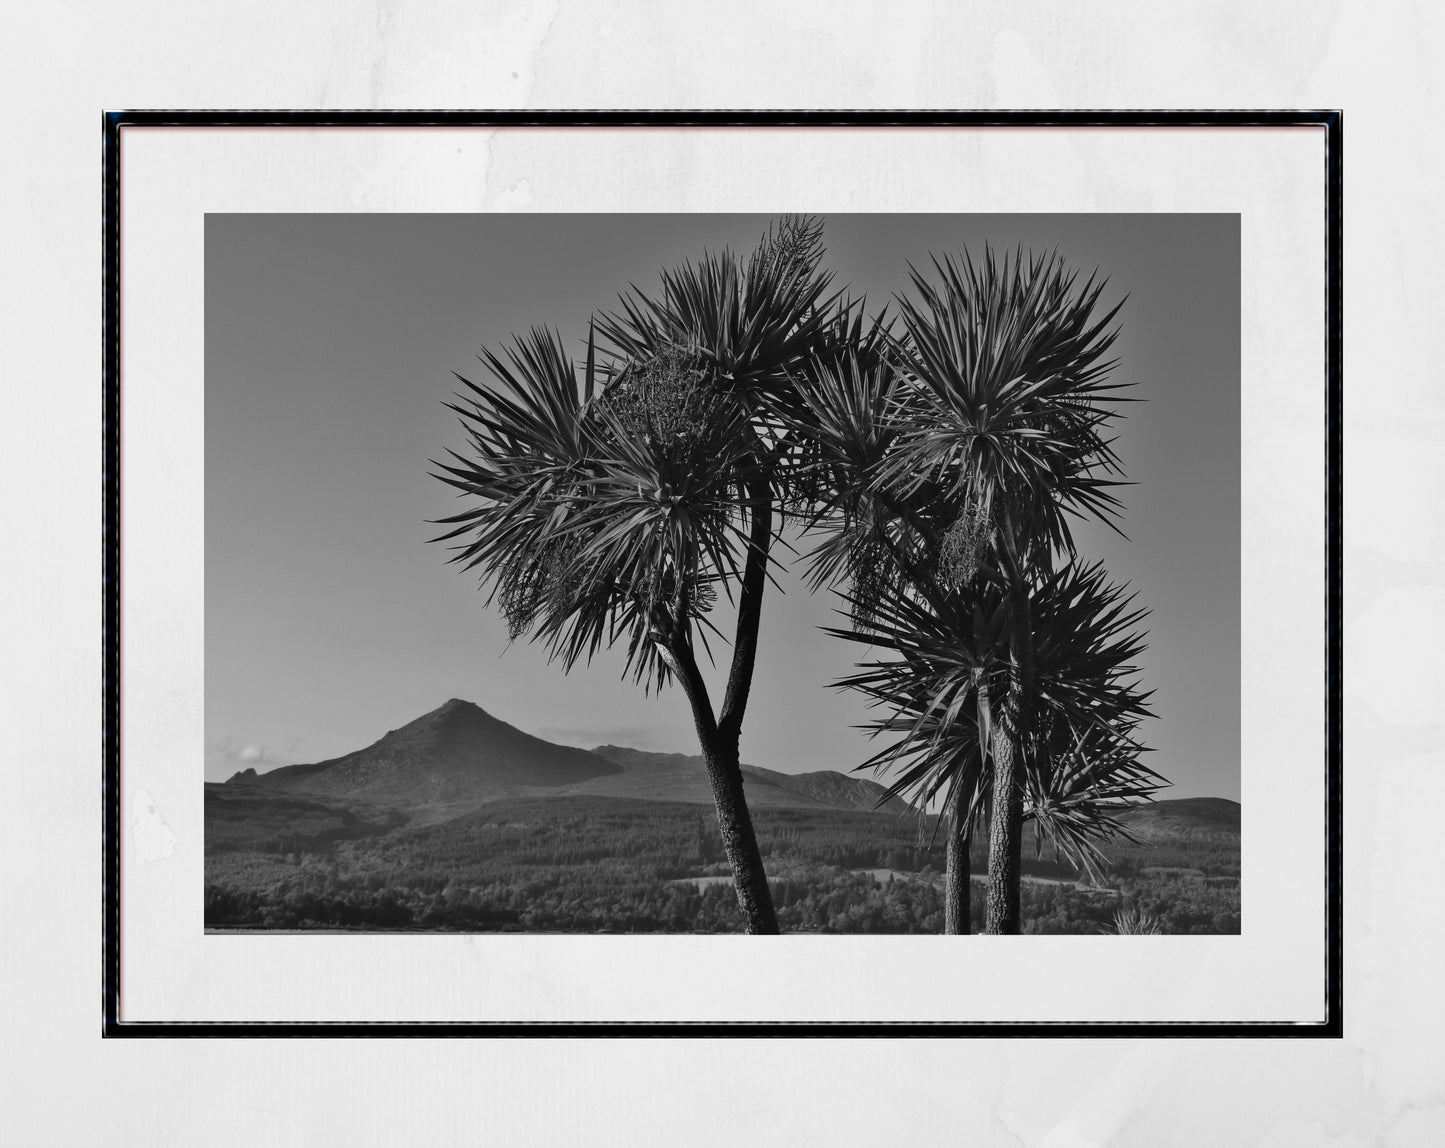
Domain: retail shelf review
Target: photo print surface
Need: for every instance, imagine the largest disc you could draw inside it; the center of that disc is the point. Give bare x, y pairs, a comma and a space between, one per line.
713, 574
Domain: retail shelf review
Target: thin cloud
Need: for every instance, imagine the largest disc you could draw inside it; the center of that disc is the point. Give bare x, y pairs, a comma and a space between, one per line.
251, 753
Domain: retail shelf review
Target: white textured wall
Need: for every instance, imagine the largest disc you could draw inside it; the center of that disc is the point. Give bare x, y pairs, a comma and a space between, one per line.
1383, 1084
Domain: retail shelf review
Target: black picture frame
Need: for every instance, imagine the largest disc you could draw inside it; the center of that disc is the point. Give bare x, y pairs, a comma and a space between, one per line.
113, 123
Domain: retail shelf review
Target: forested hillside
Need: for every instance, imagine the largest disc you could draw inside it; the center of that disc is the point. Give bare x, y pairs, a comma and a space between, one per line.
600, 864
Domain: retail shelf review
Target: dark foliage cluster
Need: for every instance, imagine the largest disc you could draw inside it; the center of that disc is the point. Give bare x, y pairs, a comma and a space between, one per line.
669, 399
549, 580
964, 546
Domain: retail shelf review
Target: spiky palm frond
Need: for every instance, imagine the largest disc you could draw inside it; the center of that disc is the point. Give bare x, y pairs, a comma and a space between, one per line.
943, 670
1008, 395
617, 496
592, 528
1084, 762
1075, 788
842, 437
868, 536
530, 457
1086, 642
1134, 922
944, 676
832, 413
752, 326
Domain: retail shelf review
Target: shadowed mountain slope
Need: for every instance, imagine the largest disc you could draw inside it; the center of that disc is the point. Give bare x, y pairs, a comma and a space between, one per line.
456, 752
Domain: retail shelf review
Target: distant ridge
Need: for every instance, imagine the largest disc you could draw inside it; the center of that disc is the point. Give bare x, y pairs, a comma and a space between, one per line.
683, 777
835, 789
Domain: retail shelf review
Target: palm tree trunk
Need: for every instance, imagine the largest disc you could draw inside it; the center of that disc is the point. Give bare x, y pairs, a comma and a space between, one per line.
720, 749
955, 873
1006, 819
1005, 838
755, 899
718, 736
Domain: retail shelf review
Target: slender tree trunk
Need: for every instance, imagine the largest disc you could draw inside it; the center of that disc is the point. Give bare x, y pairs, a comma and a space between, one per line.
1005, 838
755, 899
1006, 819
725, 776
956, 880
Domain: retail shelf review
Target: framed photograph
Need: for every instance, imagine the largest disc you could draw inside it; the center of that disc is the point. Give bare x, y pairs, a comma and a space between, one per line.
547, 551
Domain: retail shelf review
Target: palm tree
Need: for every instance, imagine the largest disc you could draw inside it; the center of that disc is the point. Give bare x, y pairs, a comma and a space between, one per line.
621, 495
1006, 400
959, 451
943, 666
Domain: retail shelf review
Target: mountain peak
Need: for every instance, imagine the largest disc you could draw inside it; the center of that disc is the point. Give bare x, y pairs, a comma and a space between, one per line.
452, 712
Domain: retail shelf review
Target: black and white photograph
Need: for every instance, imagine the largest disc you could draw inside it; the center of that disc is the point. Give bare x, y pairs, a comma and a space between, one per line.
713, 574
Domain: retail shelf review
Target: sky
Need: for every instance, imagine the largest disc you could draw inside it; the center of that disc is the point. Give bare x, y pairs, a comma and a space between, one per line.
330, 342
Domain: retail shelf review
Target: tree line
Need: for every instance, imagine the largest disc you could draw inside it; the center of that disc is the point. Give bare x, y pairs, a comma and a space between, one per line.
608, 865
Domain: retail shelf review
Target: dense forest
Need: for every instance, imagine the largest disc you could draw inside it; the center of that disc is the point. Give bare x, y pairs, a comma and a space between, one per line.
608, 865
